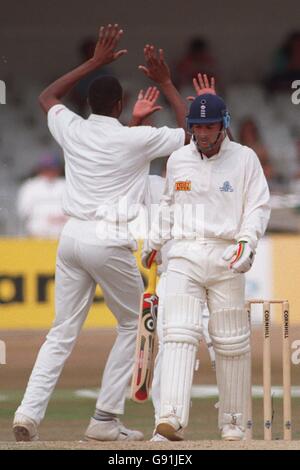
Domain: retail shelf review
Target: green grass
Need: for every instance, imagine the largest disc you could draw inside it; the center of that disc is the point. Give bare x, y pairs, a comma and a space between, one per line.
67, 417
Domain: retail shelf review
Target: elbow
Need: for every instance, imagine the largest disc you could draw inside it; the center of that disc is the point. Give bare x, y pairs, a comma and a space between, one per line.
42, 101
47, 100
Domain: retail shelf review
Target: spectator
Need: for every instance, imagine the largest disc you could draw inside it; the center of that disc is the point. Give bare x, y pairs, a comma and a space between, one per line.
249, 135
286, 67
198, 58
39, 201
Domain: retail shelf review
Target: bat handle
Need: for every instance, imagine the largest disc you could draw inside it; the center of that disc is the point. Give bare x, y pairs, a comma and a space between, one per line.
152, 279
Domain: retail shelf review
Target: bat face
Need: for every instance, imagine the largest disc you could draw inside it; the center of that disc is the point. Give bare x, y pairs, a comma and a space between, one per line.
145, 348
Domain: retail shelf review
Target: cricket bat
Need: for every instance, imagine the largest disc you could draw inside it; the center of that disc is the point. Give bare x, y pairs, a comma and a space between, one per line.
145, 343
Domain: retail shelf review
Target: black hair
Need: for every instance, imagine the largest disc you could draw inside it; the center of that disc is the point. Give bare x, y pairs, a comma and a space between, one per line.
197, 44
103, 95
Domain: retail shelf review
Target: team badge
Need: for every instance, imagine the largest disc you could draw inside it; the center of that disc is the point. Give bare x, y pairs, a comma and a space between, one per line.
226, 188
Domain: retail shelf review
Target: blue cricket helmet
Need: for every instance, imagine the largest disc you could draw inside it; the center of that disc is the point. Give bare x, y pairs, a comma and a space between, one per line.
207, 109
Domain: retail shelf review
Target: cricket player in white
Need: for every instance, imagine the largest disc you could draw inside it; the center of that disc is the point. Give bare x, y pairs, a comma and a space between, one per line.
153, 196
105, 163
224, 183
39, 200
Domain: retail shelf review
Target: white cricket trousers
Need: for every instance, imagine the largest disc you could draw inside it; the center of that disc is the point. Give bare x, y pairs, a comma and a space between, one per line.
79, 267
197, 269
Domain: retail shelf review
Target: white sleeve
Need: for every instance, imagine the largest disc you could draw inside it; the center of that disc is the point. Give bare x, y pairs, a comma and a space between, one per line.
257, 210
59, 120
160, 142
25, 199
161, 228
156, 186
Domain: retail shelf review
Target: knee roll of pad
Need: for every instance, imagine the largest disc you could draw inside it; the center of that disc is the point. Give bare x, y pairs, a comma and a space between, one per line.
230, 332
182, 319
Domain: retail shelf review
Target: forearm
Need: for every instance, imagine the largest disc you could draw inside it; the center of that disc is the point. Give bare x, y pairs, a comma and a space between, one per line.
157, 239
58, 89
161, 227
176, 102
256, 211
256, 217
134, 121
254, 227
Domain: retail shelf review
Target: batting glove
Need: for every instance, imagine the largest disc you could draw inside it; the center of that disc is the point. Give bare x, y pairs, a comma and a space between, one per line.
240, 256
149, 255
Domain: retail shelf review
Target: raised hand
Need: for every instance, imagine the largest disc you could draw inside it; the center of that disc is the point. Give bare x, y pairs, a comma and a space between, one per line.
202, 86
156, 68
108, 39
145, 105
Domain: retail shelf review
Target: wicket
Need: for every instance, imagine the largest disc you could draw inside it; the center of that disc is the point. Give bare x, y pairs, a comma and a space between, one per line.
286, 370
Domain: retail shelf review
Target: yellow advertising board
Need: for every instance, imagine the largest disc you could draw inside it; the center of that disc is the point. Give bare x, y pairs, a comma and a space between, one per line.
286, 271
27, 282
27, 269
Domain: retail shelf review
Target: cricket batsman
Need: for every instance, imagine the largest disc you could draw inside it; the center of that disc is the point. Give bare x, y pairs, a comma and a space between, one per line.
154, 192
216, 208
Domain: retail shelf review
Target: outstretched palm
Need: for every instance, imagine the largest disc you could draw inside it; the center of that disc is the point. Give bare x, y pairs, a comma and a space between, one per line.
108, 39
156, 67
145, 105
202, 86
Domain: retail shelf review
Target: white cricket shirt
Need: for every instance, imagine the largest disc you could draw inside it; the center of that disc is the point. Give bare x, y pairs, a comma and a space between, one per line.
229, 189
106, 163
39, 205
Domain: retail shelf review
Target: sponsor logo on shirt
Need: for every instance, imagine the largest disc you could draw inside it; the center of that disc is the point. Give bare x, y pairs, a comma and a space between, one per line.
226, 188
183, 186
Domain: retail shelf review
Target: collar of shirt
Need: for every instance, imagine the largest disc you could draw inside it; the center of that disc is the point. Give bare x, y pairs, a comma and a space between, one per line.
105, 119
224, 146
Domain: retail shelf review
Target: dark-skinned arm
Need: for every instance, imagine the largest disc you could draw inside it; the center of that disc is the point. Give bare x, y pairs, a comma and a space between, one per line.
105, 53
157, 70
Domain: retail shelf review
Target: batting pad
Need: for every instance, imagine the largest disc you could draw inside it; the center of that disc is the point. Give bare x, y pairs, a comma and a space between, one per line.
230, 334
181, 335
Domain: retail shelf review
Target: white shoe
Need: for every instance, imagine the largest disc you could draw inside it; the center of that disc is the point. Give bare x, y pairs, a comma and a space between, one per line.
112, 430
170, 429
158, 437
233, 432
24, 428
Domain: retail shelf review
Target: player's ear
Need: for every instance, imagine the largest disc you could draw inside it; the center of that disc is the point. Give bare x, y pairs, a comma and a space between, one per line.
120, 106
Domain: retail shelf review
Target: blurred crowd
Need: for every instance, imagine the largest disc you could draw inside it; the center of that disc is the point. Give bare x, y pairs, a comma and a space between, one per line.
263, 118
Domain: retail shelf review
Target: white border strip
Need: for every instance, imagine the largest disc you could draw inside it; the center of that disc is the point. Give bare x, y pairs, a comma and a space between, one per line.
205, 391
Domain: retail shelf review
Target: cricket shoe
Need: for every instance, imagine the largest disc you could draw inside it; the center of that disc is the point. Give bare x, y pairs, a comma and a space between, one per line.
24, 428
170, 429
158, 437
232, 432
232, 429
112, 430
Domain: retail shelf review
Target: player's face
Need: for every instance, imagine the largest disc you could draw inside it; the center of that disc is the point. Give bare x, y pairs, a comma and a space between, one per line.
207, 134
